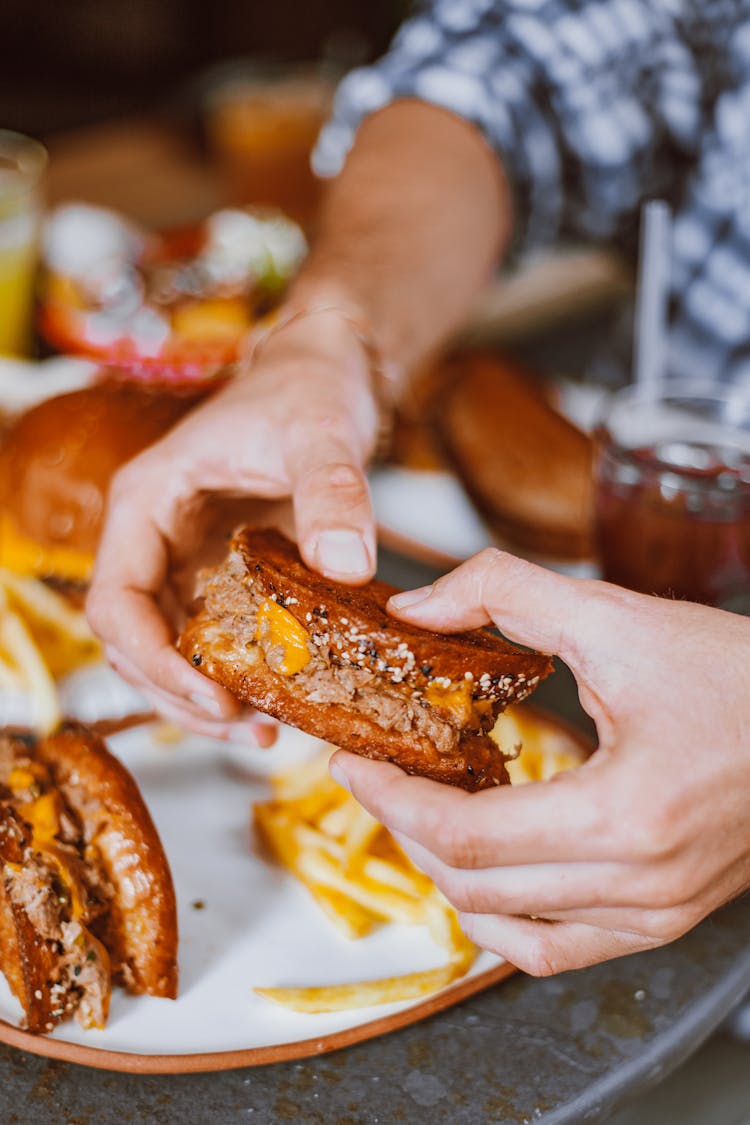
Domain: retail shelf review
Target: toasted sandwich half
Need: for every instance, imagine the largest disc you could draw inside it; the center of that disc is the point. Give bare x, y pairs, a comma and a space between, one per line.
86, 895
527, 468
328, 659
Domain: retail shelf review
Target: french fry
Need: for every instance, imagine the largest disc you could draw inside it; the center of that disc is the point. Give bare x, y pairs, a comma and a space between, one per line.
442, 922
60, 632
273, 826
542, 750
337, 821
308, 837
398, 878
42, 637
42, 604
361, 831
352, 920
360, 876
363, 994
276, 829
325, 796
300, 850
16, 639
383, 901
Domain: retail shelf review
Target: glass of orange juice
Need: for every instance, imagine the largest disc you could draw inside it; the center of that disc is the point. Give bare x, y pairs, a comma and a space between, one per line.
22, 165
262, 124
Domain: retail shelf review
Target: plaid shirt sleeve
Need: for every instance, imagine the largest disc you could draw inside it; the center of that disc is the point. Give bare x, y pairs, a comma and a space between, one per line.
591, 104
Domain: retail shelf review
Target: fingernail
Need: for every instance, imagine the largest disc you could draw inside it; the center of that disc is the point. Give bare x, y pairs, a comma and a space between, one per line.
410, 598
206, 703
339, 776
342, 551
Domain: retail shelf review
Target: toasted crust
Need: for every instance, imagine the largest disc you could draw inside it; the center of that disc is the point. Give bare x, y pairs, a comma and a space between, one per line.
526, 467
353, 629
140, 928
27, 962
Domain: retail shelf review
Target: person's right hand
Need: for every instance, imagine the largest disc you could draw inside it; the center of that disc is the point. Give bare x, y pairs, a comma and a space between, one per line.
299, 425
642, 842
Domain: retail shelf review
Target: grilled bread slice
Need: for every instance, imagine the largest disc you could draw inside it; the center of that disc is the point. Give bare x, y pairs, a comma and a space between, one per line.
86, 895
328, 659
526, 467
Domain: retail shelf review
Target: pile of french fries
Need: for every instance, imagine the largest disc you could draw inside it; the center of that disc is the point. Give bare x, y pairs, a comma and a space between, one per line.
361, 878
542, 747
42, 638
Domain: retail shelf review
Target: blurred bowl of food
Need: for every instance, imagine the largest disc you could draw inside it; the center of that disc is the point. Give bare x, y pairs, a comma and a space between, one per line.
171, 306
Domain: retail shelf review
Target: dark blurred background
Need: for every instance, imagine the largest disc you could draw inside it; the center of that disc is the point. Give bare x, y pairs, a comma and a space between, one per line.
67, 63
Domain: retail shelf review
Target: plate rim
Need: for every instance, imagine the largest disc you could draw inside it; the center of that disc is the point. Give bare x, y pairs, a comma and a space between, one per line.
133, 1062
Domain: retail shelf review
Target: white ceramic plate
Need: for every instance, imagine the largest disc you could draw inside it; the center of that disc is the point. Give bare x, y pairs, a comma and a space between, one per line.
255, 926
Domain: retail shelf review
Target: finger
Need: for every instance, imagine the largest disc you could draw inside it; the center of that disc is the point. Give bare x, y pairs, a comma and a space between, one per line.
332, 507
656, 925
528, 603
608, 896
188, 721
670, 904
545, 948
543, 889
131, 568
335, 522
190, 714
252, 731
557, 821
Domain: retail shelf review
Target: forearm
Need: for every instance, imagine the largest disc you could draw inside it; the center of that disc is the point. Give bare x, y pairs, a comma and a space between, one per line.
410, 229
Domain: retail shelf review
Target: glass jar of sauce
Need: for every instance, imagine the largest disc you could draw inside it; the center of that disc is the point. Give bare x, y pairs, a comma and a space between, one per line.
673, 492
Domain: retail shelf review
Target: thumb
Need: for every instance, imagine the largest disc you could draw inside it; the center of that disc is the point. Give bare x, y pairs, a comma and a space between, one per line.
579, 620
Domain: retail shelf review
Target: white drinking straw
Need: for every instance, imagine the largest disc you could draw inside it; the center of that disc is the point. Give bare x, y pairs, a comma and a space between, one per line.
652, 294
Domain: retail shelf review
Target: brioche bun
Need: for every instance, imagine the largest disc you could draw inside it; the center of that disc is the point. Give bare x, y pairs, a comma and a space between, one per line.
56, 464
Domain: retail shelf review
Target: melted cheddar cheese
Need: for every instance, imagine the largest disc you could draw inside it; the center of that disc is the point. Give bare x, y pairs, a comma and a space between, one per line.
277, 628
24, 556
455, 698
42, 814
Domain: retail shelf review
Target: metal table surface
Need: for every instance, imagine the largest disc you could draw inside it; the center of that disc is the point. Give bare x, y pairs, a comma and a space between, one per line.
564, 1050
561, 1050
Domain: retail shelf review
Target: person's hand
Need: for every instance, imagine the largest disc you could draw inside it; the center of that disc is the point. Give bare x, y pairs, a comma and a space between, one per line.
299, 425
630, 850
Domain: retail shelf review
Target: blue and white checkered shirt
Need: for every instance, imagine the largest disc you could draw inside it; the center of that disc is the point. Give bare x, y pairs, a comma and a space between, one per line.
594, 106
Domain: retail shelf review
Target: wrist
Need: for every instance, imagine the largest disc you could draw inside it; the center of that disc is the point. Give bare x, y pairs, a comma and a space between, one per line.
335, 334
363, 317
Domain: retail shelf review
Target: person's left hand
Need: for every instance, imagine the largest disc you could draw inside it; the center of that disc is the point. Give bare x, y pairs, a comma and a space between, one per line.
630, 850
